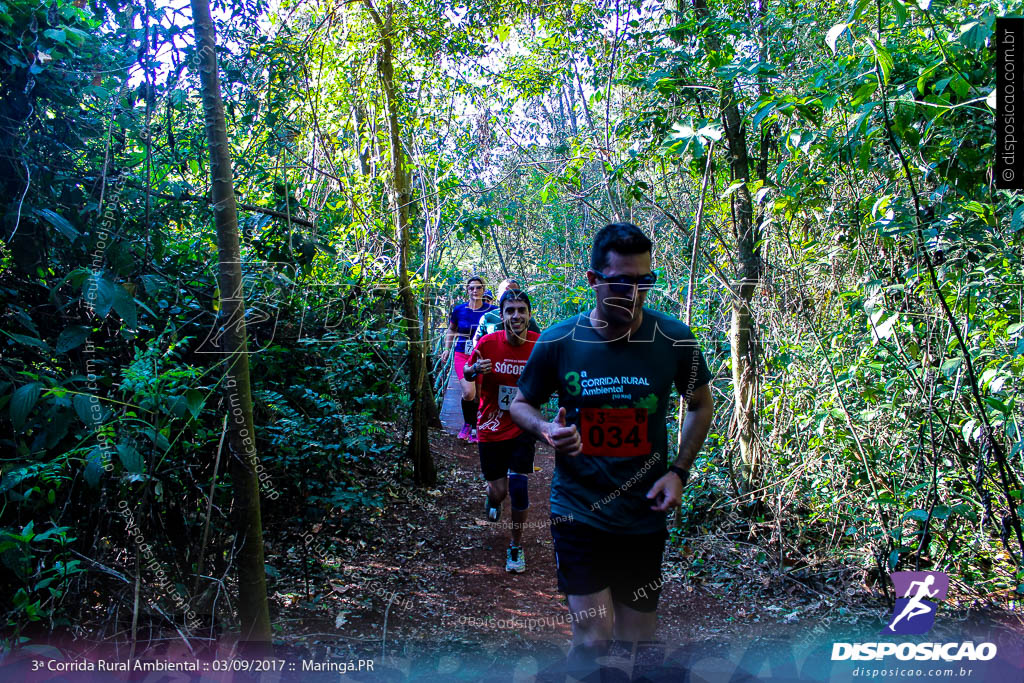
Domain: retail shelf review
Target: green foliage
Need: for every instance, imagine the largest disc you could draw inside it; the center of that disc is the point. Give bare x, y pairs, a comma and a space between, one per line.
36, 568
110, 373
874, 441
526, 128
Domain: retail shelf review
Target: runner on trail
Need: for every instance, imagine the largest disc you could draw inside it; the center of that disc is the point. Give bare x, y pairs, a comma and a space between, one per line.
613, 369
506, 452
491, 322
461, 325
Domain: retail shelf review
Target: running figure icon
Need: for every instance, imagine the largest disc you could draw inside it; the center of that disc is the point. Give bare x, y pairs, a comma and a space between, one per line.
914, 607
914, 611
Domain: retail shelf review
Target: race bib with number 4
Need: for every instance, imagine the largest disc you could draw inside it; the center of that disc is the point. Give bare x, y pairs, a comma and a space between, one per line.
615, 432
505, 396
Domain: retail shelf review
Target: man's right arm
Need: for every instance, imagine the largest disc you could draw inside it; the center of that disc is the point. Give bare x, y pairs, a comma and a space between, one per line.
527, 415
564, 439
538, 379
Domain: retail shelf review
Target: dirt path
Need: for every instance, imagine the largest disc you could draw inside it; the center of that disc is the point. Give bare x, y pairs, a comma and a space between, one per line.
430, 568
417, 587
421, 590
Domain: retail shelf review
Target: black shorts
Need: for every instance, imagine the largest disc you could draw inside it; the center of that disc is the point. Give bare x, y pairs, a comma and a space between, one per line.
589, 560
498, 458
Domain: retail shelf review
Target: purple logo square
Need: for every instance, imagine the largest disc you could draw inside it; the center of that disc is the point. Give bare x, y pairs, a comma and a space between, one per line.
917, 594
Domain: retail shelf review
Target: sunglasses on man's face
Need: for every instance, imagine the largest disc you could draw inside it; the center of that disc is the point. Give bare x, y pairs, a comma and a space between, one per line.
624, 284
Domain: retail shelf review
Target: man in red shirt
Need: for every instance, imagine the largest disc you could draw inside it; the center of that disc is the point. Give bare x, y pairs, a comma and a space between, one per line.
506, 451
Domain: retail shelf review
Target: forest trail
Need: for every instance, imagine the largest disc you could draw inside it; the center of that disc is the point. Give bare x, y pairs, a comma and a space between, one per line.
432, 570
830, 202
427, 588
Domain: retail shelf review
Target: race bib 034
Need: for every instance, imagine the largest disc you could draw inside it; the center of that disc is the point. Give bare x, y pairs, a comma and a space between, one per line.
614, 432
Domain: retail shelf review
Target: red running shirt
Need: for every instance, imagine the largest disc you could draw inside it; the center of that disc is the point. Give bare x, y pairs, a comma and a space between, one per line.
498, 387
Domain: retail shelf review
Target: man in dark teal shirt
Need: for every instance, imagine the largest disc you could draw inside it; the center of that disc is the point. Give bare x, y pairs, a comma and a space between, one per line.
613, 369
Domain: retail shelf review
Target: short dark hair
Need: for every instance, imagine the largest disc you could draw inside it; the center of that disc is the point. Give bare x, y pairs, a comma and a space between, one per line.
623, 238
478, 278
514, 295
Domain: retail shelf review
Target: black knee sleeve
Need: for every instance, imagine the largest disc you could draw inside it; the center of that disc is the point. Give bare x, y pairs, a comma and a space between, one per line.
518, 491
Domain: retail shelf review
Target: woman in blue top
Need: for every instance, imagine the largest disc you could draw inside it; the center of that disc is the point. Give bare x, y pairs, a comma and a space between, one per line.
462, 324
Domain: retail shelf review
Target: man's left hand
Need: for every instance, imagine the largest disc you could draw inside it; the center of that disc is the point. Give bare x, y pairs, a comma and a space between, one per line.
667, 492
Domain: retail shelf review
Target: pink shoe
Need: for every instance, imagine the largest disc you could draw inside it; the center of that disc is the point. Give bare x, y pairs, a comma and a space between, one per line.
464, 434
473, 438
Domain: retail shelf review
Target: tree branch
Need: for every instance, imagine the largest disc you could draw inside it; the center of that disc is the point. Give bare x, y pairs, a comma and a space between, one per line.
187, 197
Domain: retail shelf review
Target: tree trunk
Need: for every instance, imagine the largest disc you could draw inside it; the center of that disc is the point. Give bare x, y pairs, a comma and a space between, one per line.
253, 613
425, 473
362, 146
741, 338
